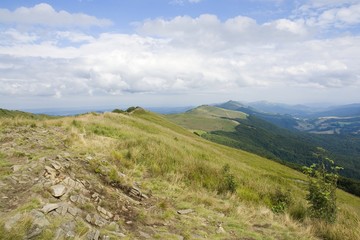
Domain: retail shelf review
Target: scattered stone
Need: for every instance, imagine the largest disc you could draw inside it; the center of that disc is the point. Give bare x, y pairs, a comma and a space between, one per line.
56, 166
68, 181
59, 234
58, 190
116, 218
16, 168
104, 213
50, 207
12, 221
185, 211
74, 198
70, 234
220, 229
129, 222
72, 211
38, 223
135, 193
39, 218
33, 232
120, 235
144, 235
50, 173
94, 234
63, 209
88, 218
98, 221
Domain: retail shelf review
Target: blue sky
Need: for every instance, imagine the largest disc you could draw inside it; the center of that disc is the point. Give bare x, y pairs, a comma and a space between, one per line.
177, 52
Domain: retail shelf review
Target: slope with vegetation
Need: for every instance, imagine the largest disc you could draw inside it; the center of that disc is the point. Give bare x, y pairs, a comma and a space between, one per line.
135, 175
291, 148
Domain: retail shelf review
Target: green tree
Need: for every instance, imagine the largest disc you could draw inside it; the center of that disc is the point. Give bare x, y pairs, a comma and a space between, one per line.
323, 177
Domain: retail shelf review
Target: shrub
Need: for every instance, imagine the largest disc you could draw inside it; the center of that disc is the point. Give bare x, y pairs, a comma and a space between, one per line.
130, 109
118, 111
227, 181
322, 187
280, 201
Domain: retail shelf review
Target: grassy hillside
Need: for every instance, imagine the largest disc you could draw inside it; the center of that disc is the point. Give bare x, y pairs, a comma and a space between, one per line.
208, 118
19, 114
291, 148
170, 169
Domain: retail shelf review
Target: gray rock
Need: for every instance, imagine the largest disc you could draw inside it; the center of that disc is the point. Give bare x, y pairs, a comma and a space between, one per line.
74, 198
220, 230
70, 234
33, 232
38, 223
56, 166
73, 211
59, 234
144, 235
63, 209
50, 207
58, 190
50, 172
39, 218
185, 211
120, 235
88, 218
104, 213
9, 224
16, 168
98, 221
94, 234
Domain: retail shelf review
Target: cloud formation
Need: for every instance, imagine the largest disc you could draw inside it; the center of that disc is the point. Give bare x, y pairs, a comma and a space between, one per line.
330, 13
45, 15
179, 55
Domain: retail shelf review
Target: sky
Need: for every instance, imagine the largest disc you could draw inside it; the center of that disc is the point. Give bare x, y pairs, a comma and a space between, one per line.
164, 53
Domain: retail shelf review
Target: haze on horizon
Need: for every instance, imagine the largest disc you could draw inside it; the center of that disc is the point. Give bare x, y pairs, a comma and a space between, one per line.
178, 52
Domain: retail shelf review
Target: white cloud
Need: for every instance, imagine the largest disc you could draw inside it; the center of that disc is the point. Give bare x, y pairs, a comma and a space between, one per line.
45, 15
330, 13
207, 31
180, 55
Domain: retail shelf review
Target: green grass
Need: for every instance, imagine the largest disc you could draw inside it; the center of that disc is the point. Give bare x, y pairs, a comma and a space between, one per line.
208, 118
182, 170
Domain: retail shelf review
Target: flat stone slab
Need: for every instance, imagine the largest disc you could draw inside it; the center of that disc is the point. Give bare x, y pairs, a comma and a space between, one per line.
185, 211
50, 207
58, 190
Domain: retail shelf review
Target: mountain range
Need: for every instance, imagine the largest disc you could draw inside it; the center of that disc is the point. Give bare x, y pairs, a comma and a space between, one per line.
136, 175
274, 136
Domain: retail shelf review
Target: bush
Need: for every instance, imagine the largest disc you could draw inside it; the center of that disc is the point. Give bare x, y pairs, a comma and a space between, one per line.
118, 111
280, 201
130, 109
227, 181
322, 187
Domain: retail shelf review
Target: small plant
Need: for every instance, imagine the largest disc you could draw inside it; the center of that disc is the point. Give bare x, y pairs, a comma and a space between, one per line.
227, 181
323, 179
280, 201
